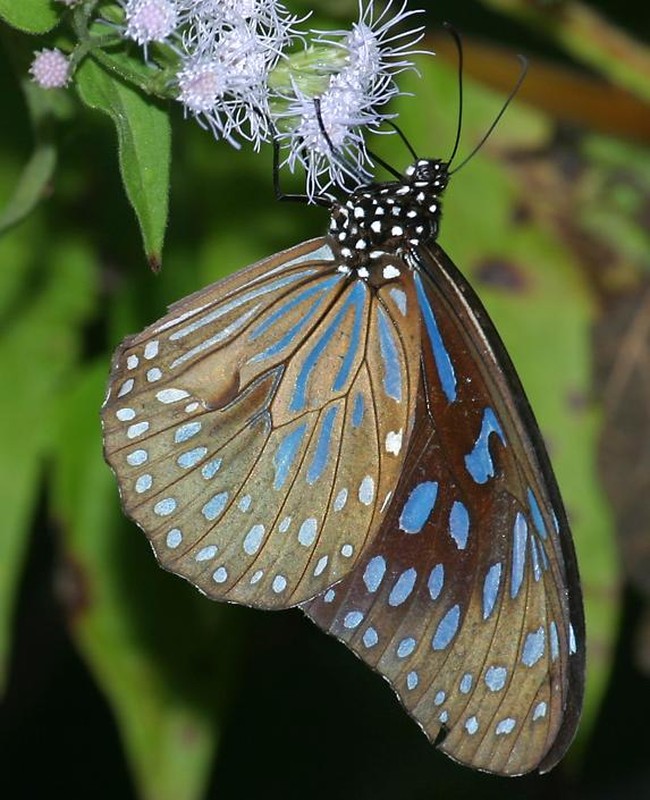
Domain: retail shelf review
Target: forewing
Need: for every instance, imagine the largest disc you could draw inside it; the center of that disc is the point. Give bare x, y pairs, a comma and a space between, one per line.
468, 599
253, 429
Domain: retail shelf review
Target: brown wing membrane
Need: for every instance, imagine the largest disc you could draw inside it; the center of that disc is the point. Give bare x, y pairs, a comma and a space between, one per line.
468, 599
253, 429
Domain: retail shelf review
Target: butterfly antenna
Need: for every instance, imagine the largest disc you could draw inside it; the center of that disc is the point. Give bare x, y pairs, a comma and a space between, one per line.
395, 173
459, 125
522, 74
402, 136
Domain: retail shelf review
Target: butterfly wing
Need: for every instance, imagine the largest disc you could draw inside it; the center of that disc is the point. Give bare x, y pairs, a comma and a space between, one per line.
468, 599
254, 430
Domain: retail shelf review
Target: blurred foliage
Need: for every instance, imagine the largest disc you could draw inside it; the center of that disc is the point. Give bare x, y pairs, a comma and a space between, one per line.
549, 221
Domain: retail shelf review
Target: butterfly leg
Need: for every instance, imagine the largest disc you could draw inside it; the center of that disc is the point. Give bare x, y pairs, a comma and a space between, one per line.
321, 200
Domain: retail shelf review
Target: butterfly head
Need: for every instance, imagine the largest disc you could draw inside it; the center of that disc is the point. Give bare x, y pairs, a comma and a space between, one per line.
380, 222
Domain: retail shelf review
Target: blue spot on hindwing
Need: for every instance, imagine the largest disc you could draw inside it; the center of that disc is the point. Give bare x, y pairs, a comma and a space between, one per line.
418, 507
447, 629
459, 524
436, 581
440, 354
479, 462
533, 647
286, 453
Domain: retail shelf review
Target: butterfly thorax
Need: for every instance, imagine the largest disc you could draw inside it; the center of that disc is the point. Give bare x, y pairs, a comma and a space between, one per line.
385, 220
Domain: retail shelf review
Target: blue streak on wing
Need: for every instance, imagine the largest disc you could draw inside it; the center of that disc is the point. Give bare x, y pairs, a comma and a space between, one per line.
390, 357
358, 410
359, 295
491, 589
299, 399
321, 455
440, 354
534, 556
519, 541
479, 462
291, 334
286, 453
536, 514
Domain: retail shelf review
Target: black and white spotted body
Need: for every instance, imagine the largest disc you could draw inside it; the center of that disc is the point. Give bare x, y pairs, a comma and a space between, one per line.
388, 218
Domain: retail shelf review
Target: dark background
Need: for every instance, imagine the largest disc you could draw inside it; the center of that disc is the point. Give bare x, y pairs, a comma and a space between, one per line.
297, 715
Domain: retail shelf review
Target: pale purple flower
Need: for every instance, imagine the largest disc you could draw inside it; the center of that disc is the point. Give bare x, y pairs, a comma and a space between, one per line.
374, 51
231, 47
353, 102
327, 139
50, 69
150, 20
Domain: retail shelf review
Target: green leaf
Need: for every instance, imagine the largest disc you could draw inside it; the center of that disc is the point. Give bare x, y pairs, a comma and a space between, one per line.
36, 175
161, 652
31, 16
40, 345
144, 142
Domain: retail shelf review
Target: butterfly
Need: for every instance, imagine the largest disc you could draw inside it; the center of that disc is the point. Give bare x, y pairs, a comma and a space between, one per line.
339, 428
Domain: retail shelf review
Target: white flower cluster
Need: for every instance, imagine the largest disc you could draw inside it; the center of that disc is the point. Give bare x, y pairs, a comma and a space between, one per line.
328, 136
237, 78
229, 49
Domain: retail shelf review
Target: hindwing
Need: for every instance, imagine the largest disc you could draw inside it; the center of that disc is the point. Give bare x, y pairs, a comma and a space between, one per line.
468, 599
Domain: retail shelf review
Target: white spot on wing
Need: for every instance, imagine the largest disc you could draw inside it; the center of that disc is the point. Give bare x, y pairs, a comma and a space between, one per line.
171, 395
367, 490
394, 441
151, 349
